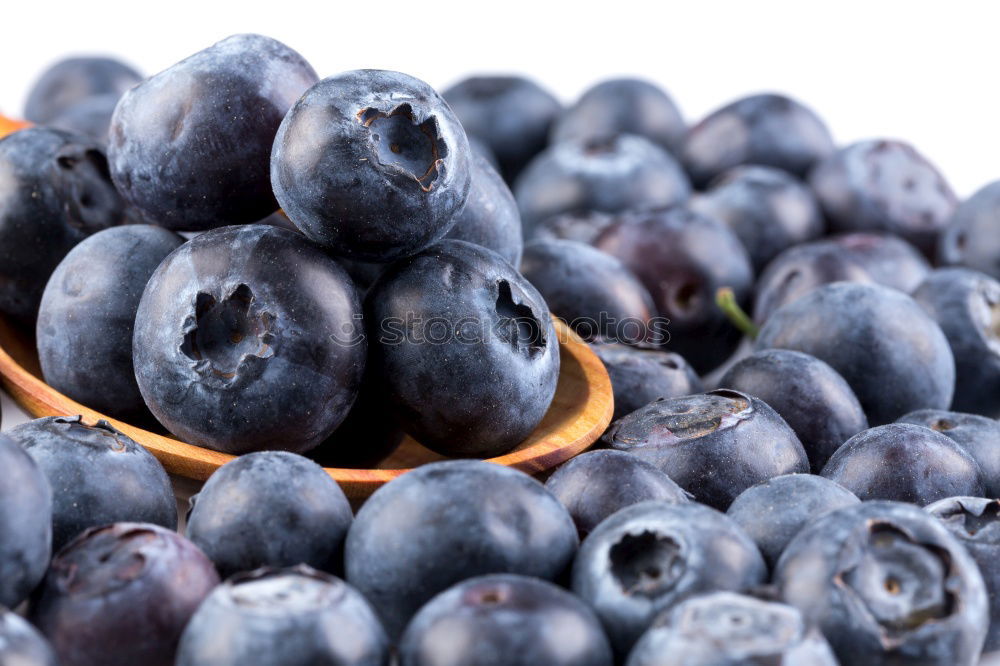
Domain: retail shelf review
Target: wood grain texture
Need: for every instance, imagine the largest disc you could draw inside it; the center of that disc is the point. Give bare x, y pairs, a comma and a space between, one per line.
580, 412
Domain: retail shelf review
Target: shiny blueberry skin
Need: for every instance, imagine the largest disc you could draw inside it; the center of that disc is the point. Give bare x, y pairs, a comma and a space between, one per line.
284, 617
98, 475
191, 145
684, 258
971, 238
270, 509
594, 485
975, 522
510, 114
714, 445
25, 523
58, 191
90, 117
769, 130
121, 595
505, 619
371, 165
809, 395
640, 375
726, 629
904, 463
87, 315
978, 435
893, 355
773, 512
590, 290
583, 226
622, 106
75, 80
882, 185
249, 338
622, 173
490, 217
966, 305
887, 584
445, 522
21, 644
649, 556
464, 349
889, 259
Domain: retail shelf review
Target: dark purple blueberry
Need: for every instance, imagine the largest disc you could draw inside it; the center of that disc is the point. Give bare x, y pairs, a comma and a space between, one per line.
190, 146
372, 165
714, 445
98, 475
594, 485
883, 185
510, 114
977, 435
807, 393
648, 557
971, 237
75, 80
892, 354
904, 463
640, 375
284, 617
21, 644
767, 129
490, 217
445, 522
87, 316
684, 258
481, 149
584, 226
887, 584
889, 259
25, 523
90, 117
249, 338
463, 348
121, 595
773, 512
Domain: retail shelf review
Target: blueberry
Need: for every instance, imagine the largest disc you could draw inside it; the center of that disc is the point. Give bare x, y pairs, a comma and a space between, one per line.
966, 305
889, 259
445, 522
904, 463
584, 226
893, 355
98, 475
767, 129
650, 556
883, 185
510, 114
21, 644
58, 191
622, 106
887, 584
808, 394
505, 619
481, 149
773, 512
90, 117
290, 617
622, 173
970, 237
726, 628
977, 435
684, 258
372, 165
594, 485
25, 523
121, 595
714, 445
190, 146
270, 509
490, 217
592, 291
75, 80
87, 316
640, 375
249, 338
464, 349
975, 522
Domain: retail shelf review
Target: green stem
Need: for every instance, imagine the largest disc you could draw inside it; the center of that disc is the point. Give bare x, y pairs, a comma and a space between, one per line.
726, 300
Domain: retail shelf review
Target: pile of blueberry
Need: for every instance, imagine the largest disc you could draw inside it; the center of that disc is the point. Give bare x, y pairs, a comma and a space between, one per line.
803, 342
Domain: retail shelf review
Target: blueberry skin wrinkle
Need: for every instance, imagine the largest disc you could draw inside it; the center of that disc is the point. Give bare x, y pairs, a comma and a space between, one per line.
978, 435
639, 375
21, 644
970, 237
372, 165
98, 475
490, 217
74, 81
25, 523
87, 316
249, 338
191, 145
449, 521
